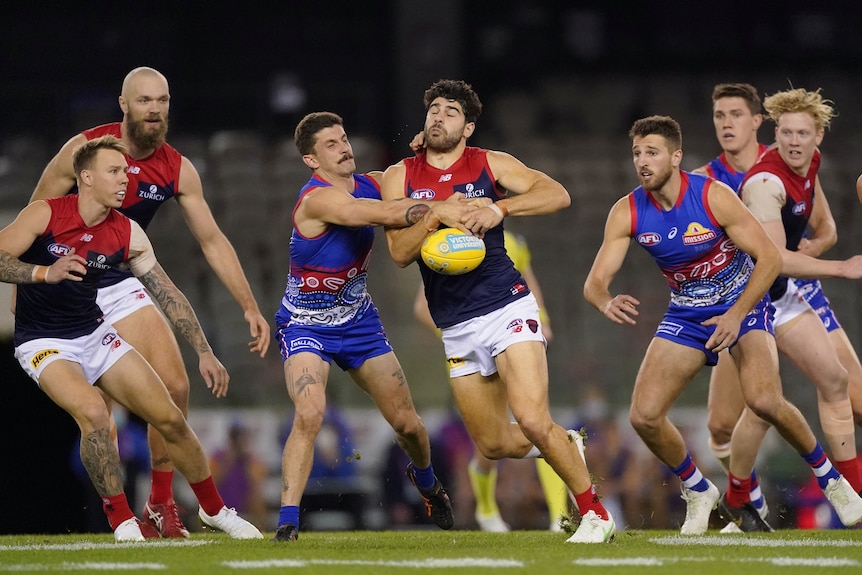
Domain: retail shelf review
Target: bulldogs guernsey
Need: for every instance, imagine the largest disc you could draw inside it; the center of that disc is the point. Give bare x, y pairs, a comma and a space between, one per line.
704, 269
68, 310
152, 181
327, 280
799, 200
496, 282
720, 170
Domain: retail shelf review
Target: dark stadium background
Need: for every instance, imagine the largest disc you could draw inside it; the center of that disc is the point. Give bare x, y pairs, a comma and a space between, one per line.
62, 63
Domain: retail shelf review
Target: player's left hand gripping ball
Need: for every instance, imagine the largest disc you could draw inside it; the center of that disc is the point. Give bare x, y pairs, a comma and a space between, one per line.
452, 252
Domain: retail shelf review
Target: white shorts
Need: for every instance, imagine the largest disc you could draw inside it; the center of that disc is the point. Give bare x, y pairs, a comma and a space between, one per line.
122, 299
789, 306
472, 345
95, 353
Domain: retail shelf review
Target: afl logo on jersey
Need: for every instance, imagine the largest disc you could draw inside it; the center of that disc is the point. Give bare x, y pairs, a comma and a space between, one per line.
799, 208
697, 234
423, 194
649, 239
59, 249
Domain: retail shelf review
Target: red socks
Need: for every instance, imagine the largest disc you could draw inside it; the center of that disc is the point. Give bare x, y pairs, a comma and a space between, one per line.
589, 501
116, 507
850, 470
738, 490
161, 490
208, 496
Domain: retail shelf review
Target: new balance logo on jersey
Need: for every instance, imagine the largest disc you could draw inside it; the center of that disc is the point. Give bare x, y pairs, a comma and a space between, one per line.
445, 178
134, 169
87, 238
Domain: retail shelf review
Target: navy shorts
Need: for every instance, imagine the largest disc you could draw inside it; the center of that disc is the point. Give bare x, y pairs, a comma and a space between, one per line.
682, 326
812, 292
349, 344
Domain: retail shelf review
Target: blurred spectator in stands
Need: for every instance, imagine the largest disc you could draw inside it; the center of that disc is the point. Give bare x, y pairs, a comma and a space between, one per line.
239, 474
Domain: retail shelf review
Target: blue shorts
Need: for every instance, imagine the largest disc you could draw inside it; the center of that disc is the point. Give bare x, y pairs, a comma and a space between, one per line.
812, 292
682, 326
349, 344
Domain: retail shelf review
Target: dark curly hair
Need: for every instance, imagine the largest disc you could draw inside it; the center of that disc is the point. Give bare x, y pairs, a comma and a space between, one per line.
459, 91
305, 135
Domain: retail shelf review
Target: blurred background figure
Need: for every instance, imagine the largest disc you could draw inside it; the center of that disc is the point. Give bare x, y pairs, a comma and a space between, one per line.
239, 473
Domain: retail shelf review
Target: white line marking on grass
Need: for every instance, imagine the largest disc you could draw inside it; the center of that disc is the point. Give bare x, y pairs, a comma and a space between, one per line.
88, 546
415, 564
734, 541
660, 561
89, 567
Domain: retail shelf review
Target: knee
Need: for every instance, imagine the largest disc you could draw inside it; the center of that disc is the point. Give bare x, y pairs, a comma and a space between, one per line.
92, 416
492, 449
412, 426
644, 421
720, 428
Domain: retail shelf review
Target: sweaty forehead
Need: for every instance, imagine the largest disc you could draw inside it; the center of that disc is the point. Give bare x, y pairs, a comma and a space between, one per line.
147, 84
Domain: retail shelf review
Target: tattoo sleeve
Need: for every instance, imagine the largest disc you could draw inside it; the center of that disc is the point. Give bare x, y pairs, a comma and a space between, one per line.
102, 462
14, 271
176, 307
416, 213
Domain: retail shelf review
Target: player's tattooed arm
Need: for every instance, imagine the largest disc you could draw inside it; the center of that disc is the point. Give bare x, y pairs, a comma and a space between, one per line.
416, 213
176, 307
14, 271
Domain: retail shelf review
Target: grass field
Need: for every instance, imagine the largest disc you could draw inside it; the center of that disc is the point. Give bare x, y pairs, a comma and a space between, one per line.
452, 553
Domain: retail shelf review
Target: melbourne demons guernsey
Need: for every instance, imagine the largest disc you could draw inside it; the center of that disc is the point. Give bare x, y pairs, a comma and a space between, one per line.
152, 182
496, 282
703, 267
719, 169
327, 280
798, 203
68, 309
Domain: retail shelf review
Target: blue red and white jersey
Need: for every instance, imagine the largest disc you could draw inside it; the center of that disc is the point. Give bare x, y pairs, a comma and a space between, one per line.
798, 204
719, 169
702, 266
152, 181
327, 280
496, 282
68, 309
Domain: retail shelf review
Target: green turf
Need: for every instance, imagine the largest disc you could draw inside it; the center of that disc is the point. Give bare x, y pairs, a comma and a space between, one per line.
452, 552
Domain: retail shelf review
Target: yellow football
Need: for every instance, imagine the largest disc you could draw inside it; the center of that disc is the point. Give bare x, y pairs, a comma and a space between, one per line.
451, 252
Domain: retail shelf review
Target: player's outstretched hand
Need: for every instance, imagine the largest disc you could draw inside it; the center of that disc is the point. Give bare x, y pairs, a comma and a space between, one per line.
622, 309
259, 330
214, 373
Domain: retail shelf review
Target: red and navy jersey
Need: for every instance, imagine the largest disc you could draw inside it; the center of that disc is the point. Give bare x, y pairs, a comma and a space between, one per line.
702, 265
68, 309
719, 169
152, 181
328, 272
496, 282
798, 204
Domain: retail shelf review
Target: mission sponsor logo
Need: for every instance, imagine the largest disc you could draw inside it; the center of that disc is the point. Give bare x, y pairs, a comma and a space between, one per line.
37, 359
697, 234
649, 239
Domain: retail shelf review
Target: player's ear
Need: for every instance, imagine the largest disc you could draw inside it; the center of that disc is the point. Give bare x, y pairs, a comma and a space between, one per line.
310, 161
469, 128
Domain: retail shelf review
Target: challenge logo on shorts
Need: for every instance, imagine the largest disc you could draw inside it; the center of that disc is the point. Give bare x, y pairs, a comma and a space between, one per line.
669, 327
302, 342
39, 357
